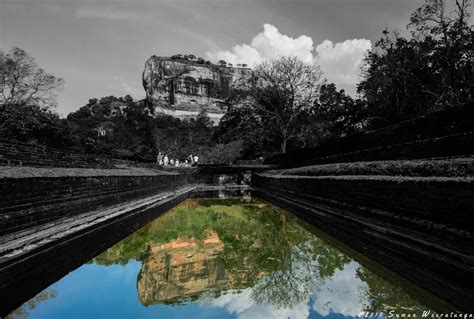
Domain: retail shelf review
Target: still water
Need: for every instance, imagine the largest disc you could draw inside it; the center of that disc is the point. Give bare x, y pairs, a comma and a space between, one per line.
226, 258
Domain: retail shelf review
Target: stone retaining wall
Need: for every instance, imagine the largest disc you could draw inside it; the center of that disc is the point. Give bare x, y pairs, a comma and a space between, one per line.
23, 277
422, 228
29, 202
447, 146
15, 153
439, 134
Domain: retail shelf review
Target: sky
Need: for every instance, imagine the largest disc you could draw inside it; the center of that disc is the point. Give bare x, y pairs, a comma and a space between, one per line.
99, 47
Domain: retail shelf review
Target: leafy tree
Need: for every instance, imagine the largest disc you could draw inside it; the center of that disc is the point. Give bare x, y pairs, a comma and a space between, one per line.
178, 139
33, 124
223, 153
404, 78
22, 82
114, 126
337, 114
242, 124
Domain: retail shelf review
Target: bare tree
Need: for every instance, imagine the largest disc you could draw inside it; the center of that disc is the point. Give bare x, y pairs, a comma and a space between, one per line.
22, 82
433, 19
284, 91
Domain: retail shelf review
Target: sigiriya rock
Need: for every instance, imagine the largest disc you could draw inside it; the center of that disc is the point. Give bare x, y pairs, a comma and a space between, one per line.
182, 86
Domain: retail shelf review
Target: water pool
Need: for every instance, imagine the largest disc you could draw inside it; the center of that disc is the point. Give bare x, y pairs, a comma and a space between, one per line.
228, 258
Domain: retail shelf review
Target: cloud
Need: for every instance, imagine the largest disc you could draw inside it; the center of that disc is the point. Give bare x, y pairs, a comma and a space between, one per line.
242, 304
268, 44
340, 61
343, 293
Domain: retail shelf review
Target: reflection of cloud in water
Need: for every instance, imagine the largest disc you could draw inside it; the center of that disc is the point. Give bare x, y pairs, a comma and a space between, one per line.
339, 294
242, 304
237, 302
342, 293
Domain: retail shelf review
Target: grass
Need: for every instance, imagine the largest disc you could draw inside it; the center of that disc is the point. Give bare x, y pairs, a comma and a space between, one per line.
29, 172
445, 167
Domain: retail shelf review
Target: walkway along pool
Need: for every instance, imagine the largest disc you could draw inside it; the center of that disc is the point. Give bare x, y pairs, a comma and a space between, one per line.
237, 257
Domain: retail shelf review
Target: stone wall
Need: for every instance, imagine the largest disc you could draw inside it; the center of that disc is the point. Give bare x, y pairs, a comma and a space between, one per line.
439, 134
15, 153
29, 202
420, 227
23, 154
26, 275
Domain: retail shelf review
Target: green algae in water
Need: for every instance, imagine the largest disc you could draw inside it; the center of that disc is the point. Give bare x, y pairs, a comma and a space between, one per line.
226, 258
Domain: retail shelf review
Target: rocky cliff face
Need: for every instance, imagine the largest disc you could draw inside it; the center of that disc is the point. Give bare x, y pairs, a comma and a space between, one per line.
182, 268
183, 87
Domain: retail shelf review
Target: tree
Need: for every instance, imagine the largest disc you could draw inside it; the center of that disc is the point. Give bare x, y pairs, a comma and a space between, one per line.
338, 114
114, 126
22, 82
284, 91
33, 124
242, 124
452, 41
222, 63
405, 78
223, 153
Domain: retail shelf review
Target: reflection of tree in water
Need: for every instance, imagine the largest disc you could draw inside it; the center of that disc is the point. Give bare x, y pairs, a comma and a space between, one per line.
382, 296
292, 260
264, 248
304, 268
27, 307
289, 285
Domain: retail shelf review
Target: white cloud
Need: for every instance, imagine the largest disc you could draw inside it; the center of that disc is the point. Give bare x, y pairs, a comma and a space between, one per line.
268, 44
340, 61
342, 293
244, 307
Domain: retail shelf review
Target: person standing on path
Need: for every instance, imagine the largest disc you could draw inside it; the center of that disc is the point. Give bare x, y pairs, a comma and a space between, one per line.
159, 159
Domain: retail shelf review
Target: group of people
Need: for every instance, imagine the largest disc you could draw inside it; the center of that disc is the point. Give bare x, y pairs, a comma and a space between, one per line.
165, 160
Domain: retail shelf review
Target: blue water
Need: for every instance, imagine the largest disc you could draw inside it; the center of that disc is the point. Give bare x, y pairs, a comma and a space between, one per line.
224, 259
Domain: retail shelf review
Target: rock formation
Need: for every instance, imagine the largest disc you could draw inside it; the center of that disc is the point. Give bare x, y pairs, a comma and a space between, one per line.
183, 86
184, 268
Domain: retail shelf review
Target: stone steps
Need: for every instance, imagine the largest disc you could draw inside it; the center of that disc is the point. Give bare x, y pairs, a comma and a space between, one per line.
421, 229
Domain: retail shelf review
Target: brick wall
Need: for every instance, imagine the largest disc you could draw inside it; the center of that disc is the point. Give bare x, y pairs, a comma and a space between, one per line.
28, 202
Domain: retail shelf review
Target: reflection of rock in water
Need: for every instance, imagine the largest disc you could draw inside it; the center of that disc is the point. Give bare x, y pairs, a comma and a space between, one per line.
183, 267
